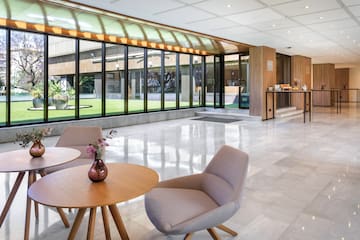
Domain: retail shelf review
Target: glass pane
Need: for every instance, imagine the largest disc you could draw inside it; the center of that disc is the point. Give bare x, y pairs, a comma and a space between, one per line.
182, 40
168, 37
115, 82
89, 23
2, 77
154, 80
90, 79
194, 41
210, 81
61, 80
60, 17
244, 82
136, 80
184, 88
27, 77
134, 31
28, 11
170, 80
3, 12
197, 79
112, 26
232, 81
151, 34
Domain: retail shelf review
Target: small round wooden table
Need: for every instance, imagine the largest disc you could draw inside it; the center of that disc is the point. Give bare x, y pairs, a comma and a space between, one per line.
71, 188
21, 161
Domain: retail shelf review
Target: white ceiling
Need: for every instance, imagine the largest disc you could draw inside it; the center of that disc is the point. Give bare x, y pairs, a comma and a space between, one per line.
328, 31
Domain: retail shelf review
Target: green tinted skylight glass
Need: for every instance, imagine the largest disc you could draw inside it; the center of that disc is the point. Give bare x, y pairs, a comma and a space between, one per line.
89, 23
60, 17
3, 10
168, 37
182, 39
112, 26
134, 31
27, 11
152, 34
207, 42
194, 41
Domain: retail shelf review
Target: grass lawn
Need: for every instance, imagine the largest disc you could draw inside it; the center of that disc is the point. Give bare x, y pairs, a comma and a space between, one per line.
21, 111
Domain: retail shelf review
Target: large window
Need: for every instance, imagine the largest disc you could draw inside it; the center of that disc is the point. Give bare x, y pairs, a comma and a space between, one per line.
90, 82
61, 80
115, 81
170, 80
3, 67
154, 80
27, 77
210, 81
136, 79
197, 79
184, 84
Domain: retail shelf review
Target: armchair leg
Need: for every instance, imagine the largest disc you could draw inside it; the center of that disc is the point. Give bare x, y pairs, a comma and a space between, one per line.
227, 230
188, 236
213, 234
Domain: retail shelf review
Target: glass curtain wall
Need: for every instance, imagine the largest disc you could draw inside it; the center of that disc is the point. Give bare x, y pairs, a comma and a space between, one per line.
27, 77
244, 81
115, 79
90, 82
154, 80
232, 81
170, 80
3, 68
197, 79
210, 81
136, 80
61, 72
184, 83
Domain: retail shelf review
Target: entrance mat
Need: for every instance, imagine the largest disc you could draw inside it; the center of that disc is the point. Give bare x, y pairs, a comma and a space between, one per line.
216, 119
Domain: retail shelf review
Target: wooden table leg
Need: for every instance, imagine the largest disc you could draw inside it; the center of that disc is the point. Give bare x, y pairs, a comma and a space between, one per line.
118, 221
63, 217
91, 226
12, 194
36, 205
28, 206
76, 223
106, 223
60, 211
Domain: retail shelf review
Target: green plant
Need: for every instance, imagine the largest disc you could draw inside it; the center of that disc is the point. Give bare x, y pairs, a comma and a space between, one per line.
33, 136
37, 92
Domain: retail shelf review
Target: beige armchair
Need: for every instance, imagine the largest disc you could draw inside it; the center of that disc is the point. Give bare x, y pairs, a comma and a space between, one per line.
78, 137
202, 201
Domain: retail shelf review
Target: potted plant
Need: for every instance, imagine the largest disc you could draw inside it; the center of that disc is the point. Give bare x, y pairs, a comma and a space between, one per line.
59, 96
38, 99
35, 136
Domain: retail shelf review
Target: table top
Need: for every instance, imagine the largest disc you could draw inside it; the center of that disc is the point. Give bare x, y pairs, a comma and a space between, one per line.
21, 160
71, 188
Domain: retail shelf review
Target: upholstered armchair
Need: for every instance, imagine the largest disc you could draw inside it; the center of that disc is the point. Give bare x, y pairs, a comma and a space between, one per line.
78, 137
197, 202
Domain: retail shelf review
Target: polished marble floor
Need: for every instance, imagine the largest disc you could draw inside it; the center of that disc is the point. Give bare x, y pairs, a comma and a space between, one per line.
303, 180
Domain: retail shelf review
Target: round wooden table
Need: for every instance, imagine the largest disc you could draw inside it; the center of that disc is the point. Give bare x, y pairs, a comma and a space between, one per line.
71, 188
21, 161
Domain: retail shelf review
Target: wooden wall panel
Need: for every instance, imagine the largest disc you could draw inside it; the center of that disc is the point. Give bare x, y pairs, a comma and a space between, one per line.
323, 78
262, 76
300, 76
342, 82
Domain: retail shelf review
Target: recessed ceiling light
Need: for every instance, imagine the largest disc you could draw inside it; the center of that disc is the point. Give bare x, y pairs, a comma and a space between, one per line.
229, 5
307, 6
274, 25
288, 31
321, 17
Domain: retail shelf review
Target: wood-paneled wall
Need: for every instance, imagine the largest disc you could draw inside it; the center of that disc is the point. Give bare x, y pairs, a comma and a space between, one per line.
300, 76
342, 82
323, 78
262, 76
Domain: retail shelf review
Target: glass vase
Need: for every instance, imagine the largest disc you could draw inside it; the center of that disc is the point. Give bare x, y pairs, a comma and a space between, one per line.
98, 170
37, 149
